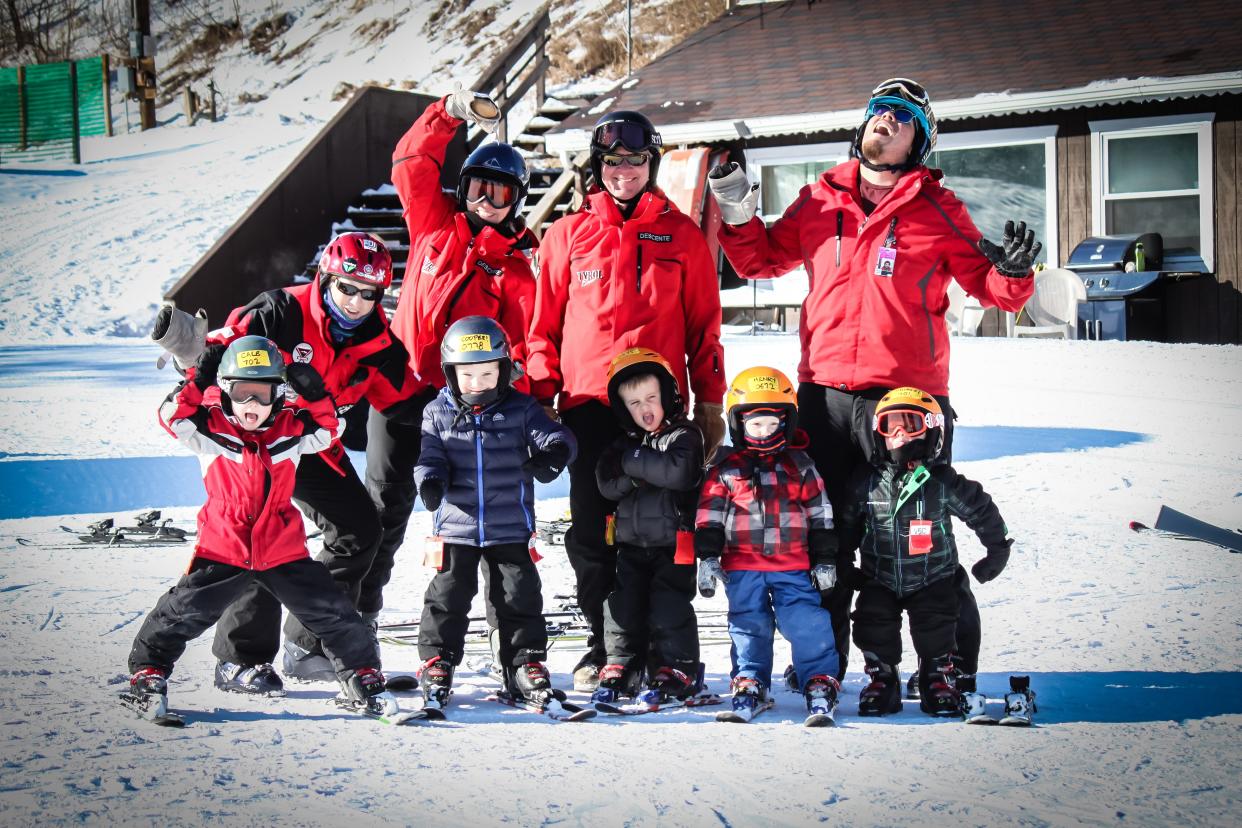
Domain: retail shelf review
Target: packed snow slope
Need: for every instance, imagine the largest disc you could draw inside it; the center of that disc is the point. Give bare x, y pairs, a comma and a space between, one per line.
1132, 642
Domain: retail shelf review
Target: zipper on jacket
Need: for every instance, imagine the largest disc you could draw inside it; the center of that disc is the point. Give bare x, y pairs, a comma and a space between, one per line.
890, 240
638, 279
840, 223
478, 466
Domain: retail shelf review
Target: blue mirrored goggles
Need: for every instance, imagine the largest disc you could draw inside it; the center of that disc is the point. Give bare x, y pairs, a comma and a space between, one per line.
903, 111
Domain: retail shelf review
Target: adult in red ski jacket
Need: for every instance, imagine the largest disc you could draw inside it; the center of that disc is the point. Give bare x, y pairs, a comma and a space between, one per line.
628, 270
880, 239
470, 255
336, 325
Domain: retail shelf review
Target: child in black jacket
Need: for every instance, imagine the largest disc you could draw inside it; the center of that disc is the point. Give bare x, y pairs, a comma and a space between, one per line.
898, 514
654, 471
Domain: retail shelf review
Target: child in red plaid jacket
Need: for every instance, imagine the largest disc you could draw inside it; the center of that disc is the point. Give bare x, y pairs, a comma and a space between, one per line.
764, 529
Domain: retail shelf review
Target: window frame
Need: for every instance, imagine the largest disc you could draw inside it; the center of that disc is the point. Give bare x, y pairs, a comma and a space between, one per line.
757, 159
988, 138
1198, 124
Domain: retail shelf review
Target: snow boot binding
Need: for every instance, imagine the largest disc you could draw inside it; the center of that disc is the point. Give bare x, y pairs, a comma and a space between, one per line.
365, 691
437, 681
938, 693
531, 683
883, 694
750, 698
670, 683
256, 680
614, 683
974, 704
821, 700
1019, 702
147, 696
304, 665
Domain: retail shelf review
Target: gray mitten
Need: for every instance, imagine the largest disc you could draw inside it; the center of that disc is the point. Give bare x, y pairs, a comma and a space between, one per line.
710, 572
824, 576
182, 336
475, 107
737, 197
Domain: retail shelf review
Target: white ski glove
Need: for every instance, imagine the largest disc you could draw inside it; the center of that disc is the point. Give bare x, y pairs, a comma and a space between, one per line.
710, 572
475, 107
737, 197
824, 576
183, 337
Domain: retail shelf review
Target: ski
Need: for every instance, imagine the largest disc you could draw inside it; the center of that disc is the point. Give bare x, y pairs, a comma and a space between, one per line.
554, 708
745, 714
1171, 523
641, 705
151, 708
402, 718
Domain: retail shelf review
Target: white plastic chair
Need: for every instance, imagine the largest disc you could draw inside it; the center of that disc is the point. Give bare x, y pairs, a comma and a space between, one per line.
1053, 308
965, 314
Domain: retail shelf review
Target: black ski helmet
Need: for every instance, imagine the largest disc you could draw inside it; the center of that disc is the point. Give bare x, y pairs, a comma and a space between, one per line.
629, 129
252, 358
496, 162
472, 340
911, 94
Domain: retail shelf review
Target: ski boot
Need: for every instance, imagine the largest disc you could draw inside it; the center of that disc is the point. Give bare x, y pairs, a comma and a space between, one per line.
670, 683
531, 683
147, 695
304, 665
586, 674
974, 704
912, 686
437, 682
614, 682
1019, 702
365, 691
750, 698
791, 680
883, 695
821, 700
938, 693
252, 680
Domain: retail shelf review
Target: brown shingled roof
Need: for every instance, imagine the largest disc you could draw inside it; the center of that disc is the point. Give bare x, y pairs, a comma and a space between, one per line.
787, 58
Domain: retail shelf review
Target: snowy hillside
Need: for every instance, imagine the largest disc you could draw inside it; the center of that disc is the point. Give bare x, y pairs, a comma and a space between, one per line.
1133, 643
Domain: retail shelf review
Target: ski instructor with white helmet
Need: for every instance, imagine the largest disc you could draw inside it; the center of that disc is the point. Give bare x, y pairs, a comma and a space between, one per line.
880, 239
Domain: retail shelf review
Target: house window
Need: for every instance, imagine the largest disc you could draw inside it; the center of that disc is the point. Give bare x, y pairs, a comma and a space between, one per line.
782, 171
1154, 175
1004, 175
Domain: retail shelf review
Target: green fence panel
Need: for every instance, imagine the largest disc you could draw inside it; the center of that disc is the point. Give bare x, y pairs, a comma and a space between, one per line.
47, 99
91, 91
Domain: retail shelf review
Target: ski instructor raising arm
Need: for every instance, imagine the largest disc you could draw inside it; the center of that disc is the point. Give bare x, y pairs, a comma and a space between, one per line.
627, 270
880, 238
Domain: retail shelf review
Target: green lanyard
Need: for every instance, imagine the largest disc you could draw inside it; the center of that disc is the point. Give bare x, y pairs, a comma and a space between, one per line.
916, 479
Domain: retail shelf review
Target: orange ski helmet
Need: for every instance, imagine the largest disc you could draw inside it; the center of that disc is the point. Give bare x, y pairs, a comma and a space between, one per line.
635, 361
760, 387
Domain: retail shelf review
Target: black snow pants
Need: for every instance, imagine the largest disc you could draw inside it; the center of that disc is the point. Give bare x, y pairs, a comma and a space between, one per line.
202, 595
649, 621
933, 621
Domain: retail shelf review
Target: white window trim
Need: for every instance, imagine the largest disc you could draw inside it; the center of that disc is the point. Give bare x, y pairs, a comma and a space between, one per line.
1198, 124
757, 159
1046, 135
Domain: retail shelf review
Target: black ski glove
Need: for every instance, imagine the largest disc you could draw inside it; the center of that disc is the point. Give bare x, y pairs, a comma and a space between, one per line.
985, 569
306, 382
822, 545
432, 493
850, 577
208, 366
545, 466
1018, 251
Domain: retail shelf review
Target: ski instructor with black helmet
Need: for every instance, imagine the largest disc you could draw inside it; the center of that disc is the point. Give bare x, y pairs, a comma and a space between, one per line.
627, 270
880, 239
470, 254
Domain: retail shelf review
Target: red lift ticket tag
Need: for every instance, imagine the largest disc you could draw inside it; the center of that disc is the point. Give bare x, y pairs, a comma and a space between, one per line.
532, 547
920, 537
433, 552
685, 548
885, 260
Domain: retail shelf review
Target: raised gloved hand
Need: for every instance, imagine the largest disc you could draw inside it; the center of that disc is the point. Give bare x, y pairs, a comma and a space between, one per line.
432, 493
545, 466
737, 197
985, 569
709, 417
182, 336
208, 366
710, 572
475, 107
306, 382
1017, 253
824, 576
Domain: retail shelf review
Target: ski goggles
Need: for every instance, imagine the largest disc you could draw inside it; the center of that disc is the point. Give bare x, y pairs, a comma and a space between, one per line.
497, 193
346, 289
902, 114
615, 159
244, 391
630, 135
910, 423
905, 88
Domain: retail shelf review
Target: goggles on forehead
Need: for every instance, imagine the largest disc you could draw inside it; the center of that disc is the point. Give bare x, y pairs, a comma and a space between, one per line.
497, 193
614, 159
906, 88
630, 135
911, 423
243, 391
347, 289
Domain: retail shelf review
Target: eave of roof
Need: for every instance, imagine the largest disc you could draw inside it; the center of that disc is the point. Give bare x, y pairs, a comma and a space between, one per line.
992, 103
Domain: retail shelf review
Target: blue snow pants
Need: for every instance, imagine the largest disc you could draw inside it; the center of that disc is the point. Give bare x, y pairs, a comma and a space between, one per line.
761, 603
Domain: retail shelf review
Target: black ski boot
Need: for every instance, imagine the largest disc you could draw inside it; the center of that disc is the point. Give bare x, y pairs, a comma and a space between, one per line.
938, 693
366, 691
883, 695
791, 680
252, 680
530, 682
437, 683
147, 695
912, 686
671, 683
616, 681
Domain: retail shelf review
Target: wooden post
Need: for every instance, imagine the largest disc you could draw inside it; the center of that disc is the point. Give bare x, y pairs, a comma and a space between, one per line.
21, 106
107, 96
73, 106
187, 101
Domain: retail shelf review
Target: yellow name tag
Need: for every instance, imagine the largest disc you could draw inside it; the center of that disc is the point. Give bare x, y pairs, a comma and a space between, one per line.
763, 384
253, 359
474, 342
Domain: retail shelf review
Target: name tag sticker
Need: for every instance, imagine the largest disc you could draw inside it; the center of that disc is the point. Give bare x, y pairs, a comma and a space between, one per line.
920, 537
885, 261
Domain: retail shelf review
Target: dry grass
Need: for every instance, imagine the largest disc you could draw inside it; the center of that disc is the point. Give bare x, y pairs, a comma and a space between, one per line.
267, 31
376, 30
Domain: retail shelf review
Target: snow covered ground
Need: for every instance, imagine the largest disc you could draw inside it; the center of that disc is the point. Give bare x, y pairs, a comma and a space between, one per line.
1133, 643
